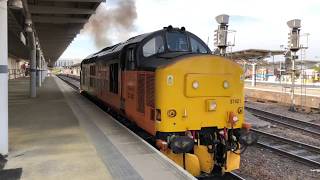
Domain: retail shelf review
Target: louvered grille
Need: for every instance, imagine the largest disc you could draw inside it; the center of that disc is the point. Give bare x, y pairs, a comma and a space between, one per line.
150, 89
141, 92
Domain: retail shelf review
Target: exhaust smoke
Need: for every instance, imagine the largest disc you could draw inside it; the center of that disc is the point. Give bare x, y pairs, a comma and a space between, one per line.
114, 23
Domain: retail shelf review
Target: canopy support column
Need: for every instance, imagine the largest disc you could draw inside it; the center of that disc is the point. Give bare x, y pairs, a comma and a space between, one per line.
4, 147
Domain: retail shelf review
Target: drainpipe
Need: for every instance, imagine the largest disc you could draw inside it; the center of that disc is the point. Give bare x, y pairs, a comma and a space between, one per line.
3, 78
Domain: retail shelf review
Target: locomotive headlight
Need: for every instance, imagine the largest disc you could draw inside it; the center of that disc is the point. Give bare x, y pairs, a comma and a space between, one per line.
211, 105
195, 84
226, 84
235, 119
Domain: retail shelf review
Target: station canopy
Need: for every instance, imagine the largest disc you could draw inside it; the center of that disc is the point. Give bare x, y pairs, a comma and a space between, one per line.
254, 55
55, 22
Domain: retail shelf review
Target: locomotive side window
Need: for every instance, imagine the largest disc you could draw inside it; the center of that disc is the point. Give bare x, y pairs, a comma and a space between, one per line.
153, 46
177, 42
113, 75
197, 47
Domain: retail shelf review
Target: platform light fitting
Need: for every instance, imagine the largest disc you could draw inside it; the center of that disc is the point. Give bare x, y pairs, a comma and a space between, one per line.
28, 23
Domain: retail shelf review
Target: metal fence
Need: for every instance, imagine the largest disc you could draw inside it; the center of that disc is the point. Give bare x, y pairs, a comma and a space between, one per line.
16, 73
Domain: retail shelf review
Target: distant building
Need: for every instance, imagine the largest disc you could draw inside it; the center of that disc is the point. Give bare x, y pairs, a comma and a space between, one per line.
64, 63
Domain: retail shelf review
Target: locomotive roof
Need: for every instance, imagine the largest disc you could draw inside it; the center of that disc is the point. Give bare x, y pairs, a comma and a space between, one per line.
118, 47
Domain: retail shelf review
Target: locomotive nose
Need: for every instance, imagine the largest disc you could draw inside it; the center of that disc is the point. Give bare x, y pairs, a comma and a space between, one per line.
202, 90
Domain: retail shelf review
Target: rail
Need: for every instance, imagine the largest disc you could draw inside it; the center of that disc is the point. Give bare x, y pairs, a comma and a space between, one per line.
298, 151
309, 127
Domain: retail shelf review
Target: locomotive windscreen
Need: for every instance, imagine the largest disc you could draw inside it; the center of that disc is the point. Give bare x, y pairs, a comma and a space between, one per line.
177, 42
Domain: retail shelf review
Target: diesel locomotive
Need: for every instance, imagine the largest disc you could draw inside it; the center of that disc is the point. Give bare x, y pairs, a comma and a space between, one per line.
168, 83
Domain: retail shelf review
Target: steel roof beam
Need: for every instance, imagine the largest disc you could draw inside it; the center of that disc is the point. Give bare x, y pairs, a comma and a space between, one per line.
58, 20
58, 10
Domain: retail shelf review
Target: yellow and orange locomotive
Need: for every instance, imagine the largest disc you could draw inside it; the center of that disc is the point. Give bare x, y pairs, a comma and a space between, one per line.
169, 84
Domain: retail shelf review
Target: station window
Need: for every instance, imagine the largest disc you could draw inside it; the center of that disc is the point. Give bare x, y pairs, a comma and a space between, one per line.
197, 47
113, 75
153, 46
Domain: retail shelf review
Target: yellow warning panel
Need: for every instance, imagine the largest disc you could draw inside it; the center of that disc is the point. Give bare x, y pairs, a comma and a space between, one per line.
205, 158
191, 161
233, 161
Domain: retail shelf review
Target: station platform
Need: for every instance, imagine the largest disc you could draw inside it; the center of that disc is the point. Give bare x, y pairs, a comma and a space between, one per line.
62, 135
308, 97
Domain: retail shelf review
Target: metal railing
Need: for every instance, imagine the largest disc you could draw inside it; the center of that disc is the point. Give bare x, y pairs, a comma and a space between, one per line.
16, 73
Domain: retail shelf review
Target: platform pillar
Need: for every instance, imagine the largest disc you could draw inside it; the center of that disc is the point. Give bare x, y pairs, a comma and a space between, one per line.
33, 68
253, 82
38, 67
42, 69
3, 78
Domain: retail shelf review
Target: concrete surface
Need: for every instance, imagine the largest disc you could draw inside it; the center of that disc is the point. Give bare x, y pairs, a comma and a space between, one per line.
45, 138
62, 135
276, 94
123, 153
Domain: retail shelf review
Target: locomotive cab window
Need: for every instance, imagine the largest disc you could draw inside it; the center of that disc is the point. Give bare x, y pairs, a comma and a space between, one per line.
177, 42
153, 46
197, 47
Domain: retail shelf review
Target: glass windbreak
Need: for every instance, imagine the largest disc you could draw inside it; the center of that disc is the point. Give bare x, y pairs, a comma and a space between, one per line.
197, 47
153, 46
177, 41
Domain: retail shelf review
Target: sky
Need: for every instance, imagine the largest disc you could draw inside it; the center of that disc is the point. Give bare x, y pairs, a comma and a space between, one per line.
259, 24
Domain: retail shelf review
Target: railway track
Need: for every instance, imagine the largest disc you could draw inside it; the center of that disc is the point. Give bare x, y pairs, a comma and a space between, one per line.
298, 151
74, 83
286, 121
234, 176
226, 176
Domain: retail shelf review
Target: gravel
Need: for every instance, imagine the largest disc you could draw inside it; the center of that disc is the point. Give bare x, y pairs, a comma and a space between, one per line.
293, 134
263, 164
